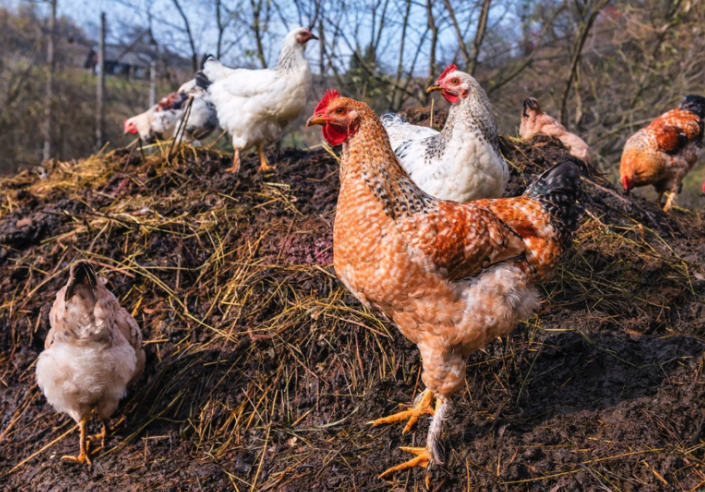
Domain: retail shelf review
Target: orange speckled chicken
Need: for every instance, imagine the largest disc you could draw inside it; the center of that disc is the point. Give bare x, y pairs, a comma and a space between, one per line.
93, 351
665, 151
534, 120
452, 276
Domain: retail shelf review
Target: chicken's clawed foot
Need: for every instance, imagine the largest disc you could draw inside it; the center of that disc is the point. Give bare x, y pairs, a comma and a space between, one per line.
264, 165
422, 459
81, 458
235, 168
101, 435
85, 445
424, 405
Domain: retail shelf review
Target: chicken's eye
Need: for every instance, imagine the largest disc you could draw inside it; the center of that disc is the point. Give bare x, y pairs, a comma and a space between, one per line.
454, 81
340, 111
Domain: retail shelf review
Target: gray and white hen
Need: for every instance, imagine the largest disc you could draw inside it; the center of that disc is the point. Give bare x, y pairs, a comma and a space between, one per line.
462, 162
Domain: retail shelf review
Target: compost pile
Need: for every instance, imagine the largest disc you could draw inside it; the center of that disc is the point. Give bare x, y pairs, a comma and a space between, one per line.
263, 371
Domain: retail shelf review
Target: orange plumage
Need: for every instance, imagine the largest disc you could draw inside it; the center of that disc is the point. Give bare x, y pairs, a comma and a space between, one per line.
665, 151
452, 276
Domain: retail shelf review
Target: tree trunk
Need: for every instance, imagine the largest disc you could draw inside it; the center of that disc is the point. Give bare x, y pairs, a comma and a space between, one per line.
321, 48
434, 41
256, 11
585, 27
221, 29
187, 27
458, 33
400, 64
47, 154
479, 36
152, 83
100, 88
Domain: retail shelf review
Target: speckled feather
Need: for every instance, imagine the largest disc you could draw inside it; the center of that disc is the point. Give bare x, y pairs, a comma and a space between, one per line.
463, 161
451, 276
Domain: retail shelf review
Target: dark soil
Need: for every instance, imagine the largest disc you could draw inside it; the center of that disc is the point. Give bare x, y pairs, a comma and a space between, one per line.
263, 371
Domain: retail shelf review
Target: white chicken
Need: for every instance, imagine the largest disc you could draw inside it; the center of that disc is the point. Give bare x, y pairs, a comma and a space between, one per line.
462, 162
164, 119
93, 351
255, 106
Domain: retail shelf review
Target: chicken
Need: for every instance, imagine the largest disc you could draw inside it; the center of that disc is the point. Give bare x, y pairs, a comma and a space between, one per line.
534, 120
462, 162
93, 351
451, 276
255, 106
164, 119
665, 151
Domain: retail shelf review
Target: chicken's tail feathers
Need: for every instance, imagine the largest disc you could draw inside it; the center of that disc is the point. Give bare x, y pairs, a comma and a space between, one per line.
81, 273
202, 80
393, 119
694, 104
210, 71
559, 190
206, 58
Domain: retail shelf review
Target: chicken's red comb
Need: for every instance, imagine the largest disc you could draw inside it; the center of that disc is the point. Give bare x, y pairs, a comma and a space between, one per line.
329, 96
448, 69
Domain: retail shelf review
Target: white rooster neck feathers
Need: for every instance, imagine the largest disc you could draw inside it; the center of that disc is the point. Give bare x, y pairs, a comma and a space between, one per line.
292, 53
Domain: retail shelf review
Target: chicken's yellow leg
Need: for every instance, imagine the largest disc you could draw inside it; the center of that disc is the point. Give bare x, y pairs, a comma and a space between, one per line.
669, 201
83, 454
422, 406
422, 459
101, 435
432, 452
263, 164
235, 168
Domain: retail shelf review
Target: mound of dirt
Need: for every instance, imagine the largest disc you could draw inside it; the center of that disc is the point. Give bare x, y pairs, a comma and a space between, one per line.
263, 371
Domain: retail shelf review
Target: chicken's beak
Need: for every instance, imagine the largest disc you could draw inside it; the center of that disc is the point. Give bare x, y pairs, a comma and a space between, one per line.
312, 36
434, 88
317, 120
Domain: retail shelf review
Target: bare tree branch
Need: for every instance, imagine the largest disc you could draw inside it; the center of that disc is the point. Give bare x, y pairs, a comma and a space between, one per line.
458, 34
479, 36
187, 27
256, 28
593, 11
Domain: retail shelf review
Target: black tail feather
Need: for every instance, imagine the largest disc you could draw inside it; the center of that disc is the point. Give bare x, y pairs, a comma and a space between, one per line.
81, 272
205, 58
202, 81
559, 189
694, 104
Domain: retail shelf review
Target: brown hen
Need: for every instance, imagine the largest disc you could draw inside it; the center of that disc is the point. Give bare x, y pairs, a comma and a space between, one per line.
93, 351
452, 276
665, 151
